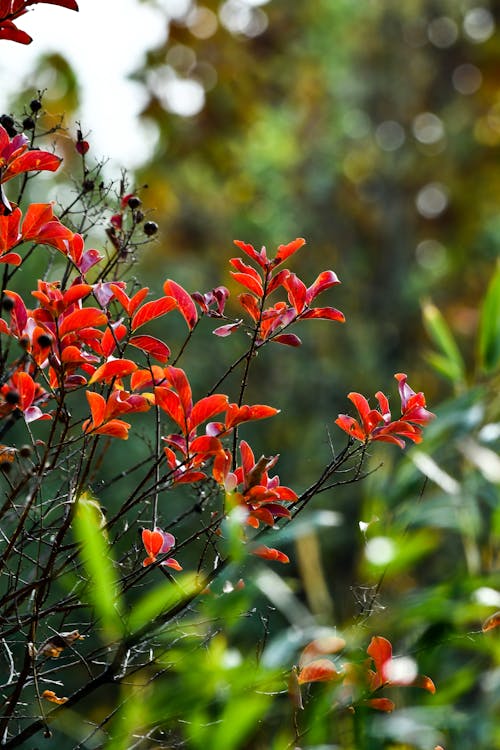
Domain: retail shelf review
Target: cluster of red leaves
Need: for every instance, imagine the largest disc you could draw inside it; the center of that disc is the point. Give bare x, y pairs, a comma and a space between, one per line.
358, 683
377, 424
262, 498
10, 10
271, 321
158, 542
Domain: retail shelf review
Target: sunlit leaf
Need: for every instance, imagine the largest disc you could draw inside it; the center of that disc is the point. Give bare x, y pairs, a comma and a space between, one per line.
152, 346
152, 310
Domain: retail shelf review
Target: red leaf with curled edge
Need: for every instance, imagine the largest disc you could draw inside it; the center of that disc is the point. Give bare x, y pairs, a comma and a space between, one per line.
277, 280
11, 33
117, 368
254, 285
319, 670
97, 406
206, 408
32, 161
249, 303
260, 258
179, 382
269, 553
325, 313
89, 259
227, 330
325, 280
288, 339
297, 292
87, 317
114, 428
185, 304
170, 402
424, 682
285, 251
152, 346
152, 310
381, 704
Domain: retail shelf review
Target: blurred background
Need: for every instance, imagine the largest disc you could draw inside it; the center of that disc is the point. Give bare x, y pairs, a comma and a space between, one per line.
371, 129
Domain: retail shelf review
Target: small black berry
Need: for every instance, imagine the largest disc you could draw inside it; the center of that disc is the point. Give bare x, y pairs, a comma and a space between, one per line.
134, 202
8, 123
150, 228
44, 340
8, 304
138, 216
12, 397
5, 466
25, 451
28, 123
88, 185
35, 105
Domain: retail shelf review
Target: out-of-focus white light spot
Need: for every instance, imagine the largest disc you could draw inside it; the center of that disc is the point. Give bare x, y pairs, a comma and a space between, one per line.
356, 123
232, 658
488, 596
255, 3
489, 432
442, 32
202, 22
390, 135
432, 200
430, 468
467, 79
428, 128
431, 255
329, 518
177, 9
479, 24
182, 96
380, 550
240, 18
402, 670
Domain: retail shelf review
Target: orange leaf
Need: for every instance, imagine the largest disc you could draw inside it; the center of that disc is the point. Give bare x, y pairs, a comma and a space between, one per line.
269, 553
49, 695
493, 621
152, 310
32, 161
117, 368
87, 317
381, 704
206, 408
320, 670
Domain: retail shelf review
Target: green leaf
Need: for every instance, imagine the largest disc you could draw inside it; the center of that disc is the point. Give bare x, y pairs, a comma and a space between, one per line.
489, 326
89, 529
449, 361
163, 599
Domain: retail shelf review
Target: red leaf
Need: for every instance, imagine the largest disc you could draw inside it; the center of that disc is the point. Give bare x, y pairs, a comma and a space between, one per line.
380, 649
151, 346
9, 31
178, 380
184, 302
32, 161
97, 406
424, 682
9, 230
325, 280
249, 303
260, 258
381, 704
250, 282
170, 402
26, 388
325, 313
296, 292
75, 293
284, 251
206, 408
152, 310
87, 317
269, 553
13, 258
117, 368
114, 428
69, 4
36, 216
289, 339
320, 670
137, 299
227, 330
153, 542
